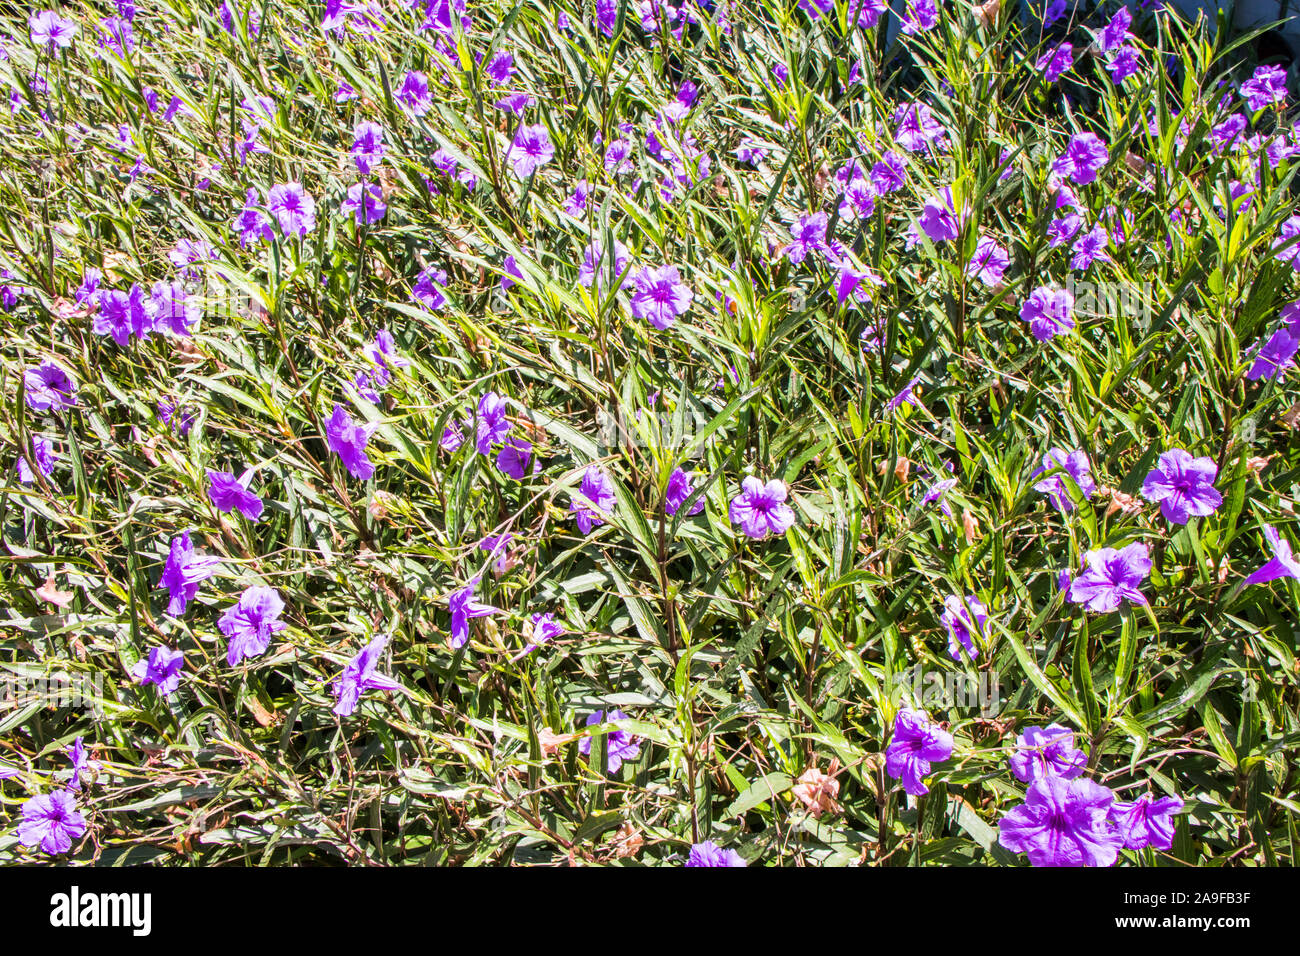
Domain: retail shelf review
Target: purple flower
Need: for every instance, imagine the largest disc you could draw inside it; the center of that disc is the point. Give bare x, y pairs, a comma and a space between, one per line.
414, 95
359, 676
1042, 751
760, 509
807, 235
490, 423
514, 458
253, 224
293, 208
463, 607
936, 492
366, 202
1056, 62
1122, 64
1055, 10
938, 219
1048, 312
48, 386
50, 30
1062, 823
543, 628
428, 289
228, 493
1266, 87
989, 263
347, 439
920, 16
1090, 248
367, 146
511, 269
594, 500
1287, 234
620, 745
170, 309
1116, 31
916, 129
679, 489
890, 174
660, 296
618, 157
907, 396
1062, 230
383, 352
250, 623
81, 763
1183, 485
183, 572
1275, 356
162, 668
709, 853
530, 150
1146, 822
1084, 156
1076, 465
1283, 564
51, 821
916, 744
596, 268
44, 457
1111, 575
123, 314
965, 620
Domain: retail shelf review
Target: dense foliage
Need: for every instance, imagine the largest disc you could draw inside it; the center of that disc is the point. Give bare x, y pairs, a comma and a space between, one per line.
532, 433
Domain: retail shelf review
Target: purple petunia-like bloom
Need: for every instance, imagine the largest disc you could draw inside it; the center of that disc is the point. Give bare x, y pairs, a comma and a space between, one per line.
620, 745
807, 235
359, 676
51, 821
594, 500
250, 622
531, 150
49, 30
596, 268
1041, 751
1265, 88
1076, 465
171, 309
413, 95
81, 763
48, 386
1062, 823
1056, 62
183, 572
366, 203
122, 315
463, 608
490, 423
515, 456
679, 489
1115, 32
1111, 576
989, 262
293, 208
1183, 485
920, 16
760, 509
543, 628
1084, 156
916, 745
709, 853
661, 296
965, 621
1146, 822
162, 668
1275, 356
916, 129
43, 456
347, 439
1048, 312
228, 493
938, 219
367, 146
1283, 564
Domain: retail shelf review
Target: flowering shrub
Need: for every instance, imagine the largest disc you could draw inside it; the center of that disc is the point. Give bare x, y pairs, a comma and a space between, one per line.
445, 432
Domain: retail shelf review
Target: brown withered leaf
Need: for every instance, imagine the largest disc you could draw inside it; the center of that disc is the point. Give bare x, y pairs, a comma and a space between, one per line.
50, 592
